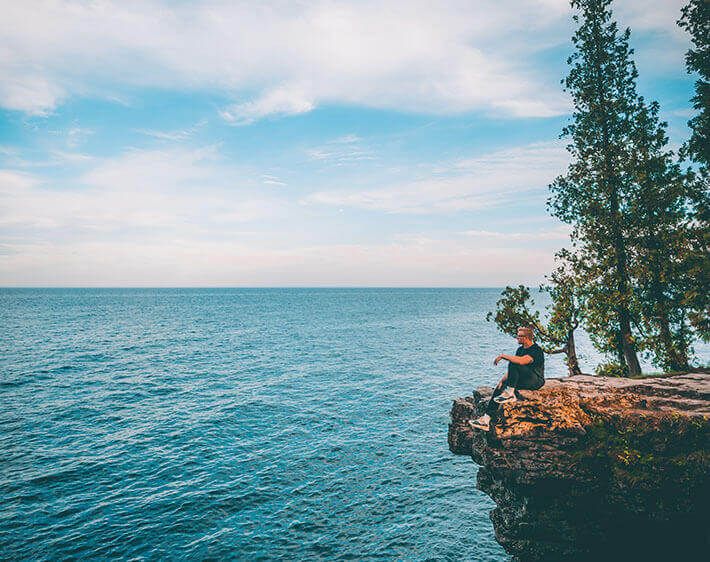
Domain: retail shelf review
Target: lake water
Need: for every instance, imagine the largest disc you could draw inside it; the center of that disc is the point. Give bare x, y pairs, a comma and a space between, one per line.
242, 423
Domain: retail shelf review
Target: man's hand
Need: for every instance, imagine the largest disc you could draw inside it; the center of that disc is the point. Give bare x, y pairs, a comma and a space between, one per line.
497, 359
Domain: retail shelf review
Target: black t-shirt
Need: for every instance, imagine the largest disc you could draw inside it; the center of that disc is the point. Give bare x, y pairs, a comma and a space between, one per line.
538, 357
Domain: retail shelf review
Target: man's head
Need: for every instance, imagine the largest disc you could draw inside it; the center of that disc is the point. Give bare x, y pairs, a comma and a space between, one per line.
525, 336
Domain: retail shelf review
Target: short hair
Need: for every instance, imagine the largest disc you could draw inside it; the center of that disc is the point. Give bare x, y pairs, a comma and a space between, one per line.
527, 332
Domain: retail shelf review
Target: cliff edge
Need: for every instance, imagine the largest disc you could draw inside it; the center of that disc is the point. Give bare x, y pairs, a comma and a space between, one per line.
590, 467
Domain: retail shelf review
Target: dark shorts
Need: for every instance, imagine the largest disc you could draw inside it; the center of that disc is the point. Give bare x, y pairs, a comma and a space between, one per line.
523, 377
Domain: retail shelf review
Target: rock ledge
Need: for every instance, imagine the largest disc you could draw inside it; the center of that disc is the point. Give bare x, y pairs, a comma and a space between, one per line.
590, 467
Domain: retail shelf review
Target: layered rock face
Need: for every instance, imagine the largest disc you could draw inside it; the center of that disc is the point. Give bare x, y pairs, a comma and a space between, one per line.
588, 467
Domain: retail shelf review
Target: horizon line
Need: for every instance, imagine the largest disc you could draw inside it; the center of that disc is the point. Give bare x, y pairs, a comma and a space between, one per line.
251, 287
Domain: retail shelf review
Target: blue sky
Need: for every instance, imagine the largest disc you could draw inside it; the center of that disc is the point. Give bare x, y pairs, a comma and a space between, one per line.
294, 143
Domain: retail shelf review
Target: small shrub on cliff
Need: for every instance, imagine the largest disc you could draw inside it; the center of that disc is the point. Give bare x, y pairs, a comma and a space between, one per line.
555, 334
611, 370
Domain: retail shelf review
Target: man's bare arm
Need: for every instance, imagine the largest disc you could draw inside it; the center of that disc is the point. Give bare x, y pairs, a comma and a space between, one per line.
522, 360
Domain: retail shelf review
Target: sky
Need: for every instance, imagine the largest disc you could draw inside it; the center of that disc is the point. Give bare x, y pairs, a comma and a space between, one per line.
295, 143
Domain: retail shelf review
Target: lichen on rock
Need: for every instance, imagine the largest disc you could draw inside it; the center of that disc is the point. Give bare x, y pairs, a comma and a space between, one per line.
590, 467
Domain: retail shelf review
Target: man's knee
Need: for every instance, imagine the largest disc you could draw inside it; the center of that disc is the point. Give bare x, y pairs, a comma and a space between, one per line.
513, 368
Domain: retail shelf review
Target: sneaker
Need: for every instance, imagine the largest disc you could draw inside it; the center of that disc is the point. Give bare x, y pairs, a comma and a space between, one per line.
481, 423
508, 395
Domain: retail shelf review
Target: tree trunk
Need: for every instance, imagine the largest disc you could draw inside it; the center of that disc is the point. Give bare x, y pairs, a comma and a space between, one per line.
610, 182
632, 361
572, 363
676, 354
677, 360
622, 277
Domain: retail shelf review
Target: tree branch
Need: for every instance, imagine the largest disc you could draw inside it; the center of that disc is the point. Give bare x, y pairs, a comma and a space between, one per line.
540, 329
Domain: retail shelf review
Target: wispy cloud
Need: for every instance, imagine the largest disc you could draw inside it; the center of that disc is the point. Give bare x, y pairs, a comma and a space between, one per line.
686, 112
284, 100
474, 183
75, 136
65, 157
268, 179
442, 57
183, 216
559, 233
348, 149
26, 91
184, 262
282, 58
175, 135
221, 205
176, 192
13, 182
55, 158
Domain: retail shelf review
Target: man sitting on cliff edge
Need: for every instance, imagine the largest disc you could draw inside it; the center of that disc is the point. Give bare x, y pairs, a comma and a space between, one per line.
526, 371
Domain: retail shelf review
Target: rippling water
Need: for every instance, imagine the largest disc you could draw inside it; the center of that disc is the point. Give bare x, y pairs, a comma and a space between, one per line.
249, 424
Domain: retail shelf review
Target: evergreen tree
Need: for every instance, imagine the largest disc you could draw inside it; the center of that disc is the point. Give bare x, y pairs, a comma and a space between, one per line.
565, 310
695, 19
661, 204
696, 260
592, 196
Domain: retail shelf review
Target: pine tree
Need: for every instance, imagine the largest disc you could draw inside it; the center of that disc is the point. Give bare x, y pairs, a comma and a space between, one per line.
696, 260
661, 204
592, 195
695, 19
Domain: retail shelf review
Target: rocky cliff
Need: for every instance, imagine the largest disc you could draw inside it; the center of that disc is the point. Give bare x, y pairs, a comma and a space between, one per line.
594, 467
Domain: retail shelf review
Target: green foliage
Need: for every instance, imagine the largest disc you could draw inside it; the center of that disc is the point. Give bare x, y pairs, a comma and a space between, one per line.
695, 19
640, 223
592, 195
516, 308
661, 204
666, 456
611, 370
565, 309
638, 273
696, 260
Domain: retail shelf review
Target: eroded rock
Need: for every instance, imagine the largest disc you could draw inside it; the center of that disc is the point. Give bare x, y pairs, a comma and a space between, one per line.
591, 467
